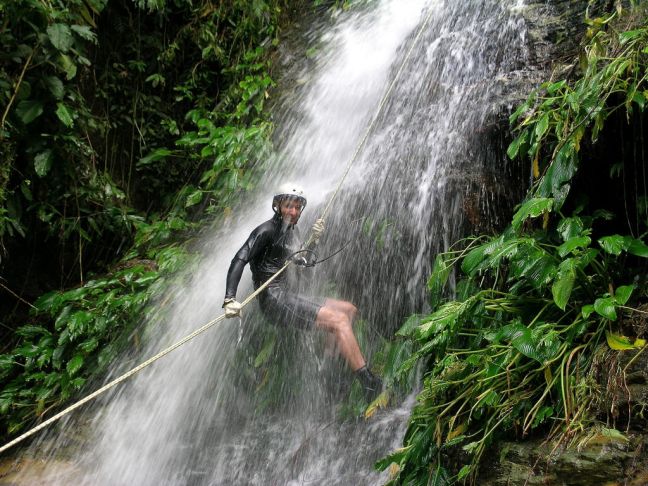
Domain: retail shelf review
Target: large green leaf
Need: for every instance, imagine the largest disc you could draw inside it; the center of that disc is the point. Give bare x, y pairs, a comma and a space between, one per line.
43, 163
555, 182
514, 147
444, 318
473, 259
410, 325
55, 86
638, 248
605, 307
573, 244
29, 110
570, 227
68, 65
564, 282
534, 265
74, 365
623, 293
438, 279
158, 154
542, 125
60, 36
85, 32
265, 353
64, 114
614, 244
532, 209
194, 198
31, 331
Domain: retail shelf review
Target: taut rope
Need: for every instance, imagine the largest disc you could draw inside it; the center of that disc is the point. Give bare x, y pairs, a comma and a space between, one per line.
251, 297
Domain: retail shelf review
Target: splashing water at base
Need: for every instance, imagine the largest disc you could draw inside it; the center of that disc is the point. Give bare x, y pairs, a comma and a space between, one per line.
194, 417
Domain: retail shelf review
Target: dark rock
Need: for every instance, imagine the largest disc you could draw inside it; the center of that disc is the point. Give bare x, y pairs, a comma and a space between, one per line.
605, 458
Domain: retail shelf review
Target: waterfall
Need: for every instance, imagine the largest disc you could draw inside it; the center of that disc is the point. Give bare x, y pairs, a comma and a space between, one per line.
428, 173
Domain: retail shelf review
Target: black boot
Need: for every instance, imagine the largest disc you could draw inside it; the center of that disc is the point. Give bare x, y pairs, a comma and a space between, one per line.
371, 384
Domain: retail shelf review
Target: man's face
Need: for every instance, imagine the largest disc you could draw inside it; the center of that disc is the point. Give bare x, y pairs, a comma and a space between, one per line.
290, 210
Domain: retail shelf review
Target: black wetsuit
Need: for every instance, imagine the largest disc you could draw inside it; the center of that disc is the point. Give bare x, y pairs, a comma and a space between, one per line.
266, 250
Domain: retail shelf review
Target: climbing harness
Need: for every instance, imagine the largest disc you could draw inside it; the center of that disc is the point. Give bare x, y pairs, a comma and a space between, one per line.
315, 260
251, 297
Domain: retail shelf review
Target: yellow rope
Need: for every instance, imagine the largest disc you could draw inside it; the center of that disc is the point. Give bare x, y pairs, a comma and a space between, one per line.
251, 297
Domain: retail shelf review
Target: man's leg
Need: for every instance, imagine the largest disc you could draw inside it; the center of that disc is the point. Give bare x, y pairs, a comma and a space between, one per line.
336, 317
330, 348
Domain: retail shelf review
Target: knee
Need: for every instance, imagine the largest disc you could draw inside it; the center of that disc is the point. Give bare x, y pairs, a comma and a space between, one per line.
342, 322
353, 311
349, 309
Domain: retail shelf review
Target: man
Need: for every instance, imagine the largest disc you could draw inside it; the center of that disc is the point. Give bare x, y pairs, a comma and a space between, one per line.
267, 249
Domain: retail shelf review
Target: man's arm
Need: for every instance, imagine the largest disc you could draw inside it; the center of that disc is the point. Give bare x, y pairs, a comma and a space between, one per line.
255, 243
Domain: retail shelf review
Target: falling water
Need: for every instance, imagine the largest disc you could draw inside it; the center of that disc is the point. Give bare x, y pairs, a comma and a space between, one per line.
428, 173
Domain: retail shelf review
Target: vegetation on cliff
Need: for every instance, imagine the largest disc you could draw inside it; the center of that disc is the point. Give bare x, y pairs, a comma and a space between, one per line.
124, 123
522, 320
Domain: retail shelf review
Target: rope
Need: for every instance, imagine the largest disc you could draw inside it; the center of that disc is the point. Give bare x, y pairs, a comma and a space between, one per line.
381, 106
251, 297
138, 368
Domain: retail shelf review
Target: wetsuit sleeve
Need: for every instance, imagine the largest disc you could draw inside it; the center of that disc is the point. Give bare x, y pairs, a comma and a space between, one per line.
257, 241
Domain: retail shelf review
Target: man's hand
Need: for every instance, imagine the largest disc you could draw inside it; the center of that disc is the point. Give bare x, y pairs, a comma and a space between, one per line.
232, 308
317, 230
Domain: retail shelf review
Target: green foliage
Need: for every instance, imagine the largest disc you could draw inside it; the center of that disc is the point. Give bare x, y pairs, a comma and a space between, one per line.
512, 352
74, 336
517, 353
554, 121
123, 124
91, 105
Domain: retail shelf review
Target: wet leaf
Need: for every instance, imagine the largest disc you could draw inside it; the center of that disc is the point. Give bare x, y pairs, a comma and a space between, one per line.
84, 32
472, 260
29, 110
564, 283
514, 147
63, 113
542, 125
60, 36
464, 472
265, 353
573, 244
381, 401
587, 310
55, 86
43, 163
532, 209
68, 66
623, 293
194, 198
638, 248
622, 343
605, 307
74, 364
154, 156
614, 244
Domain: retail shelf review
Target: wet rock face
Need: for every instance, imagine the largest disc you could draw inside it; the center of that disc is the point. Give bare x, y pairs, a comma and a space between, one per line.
556, 28
623, 381
603, 459
612, 455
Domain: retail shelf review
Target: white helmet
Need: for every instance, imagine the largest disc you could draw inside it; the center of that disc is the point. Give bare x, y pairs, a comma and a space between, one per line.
288, 191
